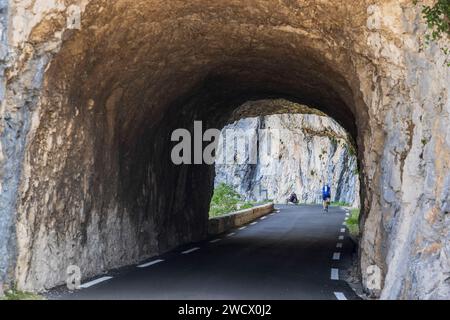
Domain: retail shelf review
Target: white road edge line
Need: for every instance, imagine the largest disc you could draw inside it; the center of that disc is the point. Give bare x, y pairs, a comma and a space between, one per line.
341, 237
215, 240
148, 264
347, 214
339, 245
94, 282
340, 296
344, 224
262, 218
334, 274
190, 250
336, 256
342, 230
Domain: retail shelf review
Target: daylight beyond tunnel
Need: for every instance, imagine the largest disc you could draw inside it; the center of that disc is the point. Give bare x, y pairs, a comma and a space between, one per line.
268, 158
98, 188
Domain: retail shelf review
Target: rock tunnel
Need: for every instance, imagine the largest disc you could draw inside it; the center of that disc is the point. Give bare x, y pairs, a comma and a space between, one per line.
92, 108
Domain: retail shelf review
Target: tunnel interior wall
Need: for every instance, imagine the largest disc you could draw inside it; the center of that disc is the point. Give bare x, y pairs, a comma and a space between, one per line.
88, 108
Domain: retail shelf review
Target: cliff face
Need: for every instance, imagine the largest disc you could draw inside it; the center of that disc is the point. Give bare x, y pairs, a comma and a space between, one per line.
313, 150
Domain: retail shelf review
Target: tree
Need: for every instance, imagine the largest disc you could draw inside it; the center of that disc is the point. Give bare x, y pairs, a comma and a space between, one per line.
224, 200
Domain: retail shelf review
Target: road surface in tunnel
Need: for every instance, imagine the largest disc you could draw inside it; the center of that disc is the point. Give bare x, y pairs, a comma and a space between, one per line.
297, 252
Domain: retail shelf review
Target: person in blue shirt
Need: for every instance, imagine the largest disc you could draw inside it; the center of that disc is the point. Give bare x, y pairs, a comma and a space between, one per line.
326, 196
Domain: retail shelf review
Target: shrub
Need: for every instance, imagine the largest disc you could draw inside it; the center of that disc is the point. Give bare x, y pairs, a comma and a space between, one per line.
353, 222
225, 200
246, 205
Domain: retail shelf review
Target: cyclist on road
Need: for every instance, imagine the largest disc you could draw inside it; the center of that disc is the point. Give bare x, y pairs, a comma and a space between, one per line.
326, 197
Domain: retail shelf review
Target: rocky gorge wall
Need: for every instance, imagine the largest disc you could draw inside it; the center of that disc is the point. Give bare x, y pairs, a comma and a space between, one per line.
314, 150
91, 90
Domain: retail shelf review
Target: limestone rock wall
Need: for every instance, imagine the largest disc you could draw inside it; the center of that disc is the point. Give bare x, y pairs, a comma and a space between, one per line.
6, 224
87, 110
31, 32
406, 230
314, 150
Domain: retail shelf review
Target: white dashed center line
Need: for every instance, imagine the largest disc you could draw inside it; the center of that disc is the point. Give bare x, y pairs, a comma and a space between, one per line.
215, 240
242, 228
94, 282
190, 250
253, 223
336, 256
263, 218
340, 296
148, 264
339, 245
334, 274
342, 230
231, 234
341, 237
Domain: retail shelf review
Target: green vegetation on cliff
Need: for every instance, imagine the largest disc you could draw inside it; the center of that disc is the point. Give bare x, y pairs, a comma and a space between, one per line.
14, 294
437, 17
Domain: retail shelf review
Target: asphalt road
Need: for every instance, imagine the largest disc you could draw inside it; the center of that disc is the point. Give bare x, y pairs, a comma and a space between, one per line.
286, 255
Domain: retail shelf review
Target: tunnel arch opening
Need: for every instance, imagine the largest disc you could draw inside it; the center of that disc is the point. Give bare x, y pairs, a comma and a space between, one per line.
100, 175
292, 149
